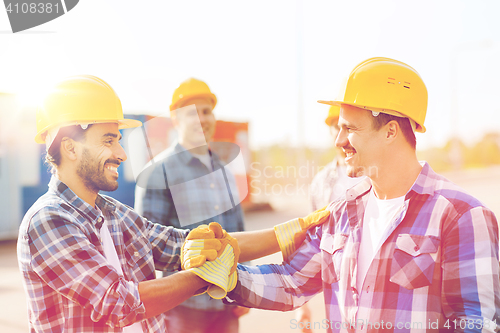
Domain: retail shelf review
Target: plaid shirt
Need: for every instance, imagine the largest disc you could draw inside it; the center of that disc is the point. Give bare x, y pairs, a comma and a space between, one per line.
437, 265
178, 183
71, 286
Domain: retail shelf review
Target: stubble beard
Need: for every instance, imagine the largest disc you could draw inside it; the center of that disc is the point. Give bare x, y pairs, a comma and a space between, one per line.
92, 174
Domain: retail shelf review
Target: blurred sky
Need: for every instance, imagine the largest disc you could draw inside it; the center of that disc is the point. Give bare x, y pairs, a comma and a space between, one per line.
258, 56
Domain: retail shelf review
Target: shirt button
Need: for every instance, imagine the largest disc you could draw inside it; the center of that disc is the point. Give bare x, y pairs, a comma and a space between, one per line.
136, 253
416, 248
216, 207
212, 185
99, 219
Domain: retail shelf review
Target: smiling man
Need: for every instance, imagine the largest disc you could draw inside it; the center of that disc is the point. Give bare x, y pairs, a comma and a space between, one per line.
85, 258
405, 250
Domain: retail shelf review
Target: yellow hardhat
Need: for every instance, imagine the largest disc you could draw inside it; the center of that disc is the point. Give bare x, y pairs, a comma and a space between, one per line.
191, 88
388, 86
333, 113
79, 100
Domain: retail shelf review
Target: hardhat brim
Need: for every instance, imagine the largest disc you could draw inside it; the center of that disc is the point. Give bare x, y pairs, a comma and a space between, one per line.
129, 123
420, 128
122, 124
209, 96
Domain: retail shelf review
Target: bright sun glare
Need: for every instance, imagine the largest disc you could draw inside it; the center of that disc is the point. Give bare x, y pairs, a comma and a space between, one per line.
32, 94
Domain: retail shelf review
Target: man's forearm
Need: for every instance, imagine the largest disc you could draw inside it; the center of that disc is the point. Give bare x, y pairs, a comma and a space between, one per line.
163, 294
256, 244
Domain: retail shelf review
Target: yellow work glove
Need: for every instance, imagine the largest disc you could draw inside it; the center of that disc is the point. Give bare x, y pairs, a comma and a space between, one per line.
200, 245
215, 291
220, 269
291, 234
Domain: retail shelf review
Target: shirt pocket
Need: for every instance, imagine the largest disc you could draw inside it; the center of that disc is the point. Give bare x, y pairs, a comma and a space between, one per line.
414, 260
332, 251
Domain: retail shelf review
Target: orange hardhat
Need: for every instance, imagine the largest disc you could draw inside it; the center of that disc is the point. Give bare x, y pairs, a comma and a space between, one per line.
79, 100
388, 86
191, 88
333, 113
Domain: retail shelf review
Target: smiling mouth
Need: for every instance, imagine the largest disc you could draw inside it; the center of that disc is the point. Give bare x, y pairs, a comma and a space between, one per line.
112, 168
349, 153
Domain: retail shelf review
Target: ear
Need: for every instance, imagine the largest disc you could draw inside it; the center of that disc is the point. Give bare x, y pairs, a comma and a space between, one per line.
392, 130
69, 149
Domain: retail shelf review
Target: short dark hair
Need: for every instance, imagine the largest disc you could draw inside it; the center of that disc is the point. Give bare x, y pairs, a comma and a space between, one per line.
404, 124
53, 156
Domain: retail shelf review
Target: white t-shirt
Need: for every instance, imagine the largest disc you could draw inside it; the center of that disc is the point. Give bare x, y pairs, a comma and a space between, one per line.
112, 257
378, 215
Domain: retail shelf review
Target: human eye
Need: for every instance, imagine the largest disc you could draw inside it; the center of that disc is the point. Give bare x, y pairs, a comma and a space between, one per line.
346, 128
109, 141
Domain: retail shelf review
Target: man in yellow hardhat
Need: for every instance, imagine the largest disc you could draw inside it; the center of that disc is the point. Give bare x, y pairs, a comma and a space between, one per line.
208, 194
88, 261
405, 249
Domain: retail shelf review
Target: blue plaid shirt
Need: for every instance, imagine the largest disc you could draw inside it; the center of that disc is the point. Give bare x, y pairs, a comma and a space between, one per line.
71, 286
176, 182
437, 267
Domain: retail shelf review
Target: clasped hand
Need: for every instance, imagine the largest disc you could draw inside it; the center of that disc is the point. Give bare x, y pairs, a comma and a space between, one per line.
212, 254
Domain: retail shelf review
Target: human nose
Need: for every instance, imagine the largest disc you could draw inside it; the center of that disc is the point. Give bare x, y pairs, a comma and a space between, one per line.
120, 153
341, 139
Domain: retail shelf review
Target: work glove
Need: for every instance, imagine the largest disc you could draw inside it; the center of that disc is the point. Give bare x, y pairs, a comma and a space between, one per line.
226, 239
291, 234
220, 270
199, 246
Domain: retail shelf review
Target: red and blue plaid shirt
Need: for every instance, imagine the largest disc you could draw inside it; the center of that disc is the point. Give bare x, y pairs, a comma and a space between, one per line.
71, 286
438, 266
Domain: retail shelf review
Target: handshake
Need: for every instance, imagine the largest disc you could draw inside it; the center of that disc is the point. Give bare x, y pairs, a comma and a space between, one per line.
212, 254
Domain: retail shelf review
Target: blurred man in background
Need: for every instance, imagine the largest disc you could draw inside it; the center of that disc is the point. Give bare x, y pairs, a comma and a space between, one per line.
202, 199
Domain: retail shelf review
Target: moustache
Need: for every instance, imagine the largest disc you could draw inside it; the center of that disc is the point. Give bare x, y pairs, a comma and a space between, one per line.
113, 161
